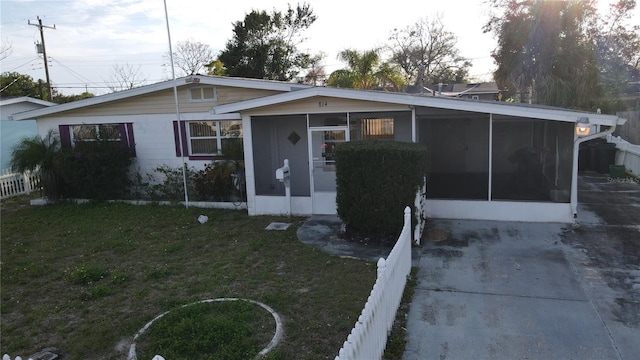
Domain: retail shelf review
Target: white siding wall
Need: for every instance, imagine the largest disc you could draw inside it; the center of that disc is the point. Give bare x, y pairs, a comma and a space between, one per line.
500, 210
7, 110
153, 134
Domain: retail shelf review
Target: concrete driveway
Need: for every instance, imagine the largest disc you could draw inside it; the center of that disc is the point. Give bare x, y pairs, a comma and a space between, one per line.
506, 290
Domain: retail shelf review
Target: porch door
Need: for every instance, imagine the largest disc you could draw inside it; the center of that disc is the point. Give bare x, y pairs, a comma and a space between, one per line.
323, 167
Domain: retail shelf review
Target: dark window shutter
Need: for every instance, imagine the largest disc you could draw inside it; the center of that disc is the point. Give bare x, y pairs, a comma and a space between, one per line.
65, 135
132, 140
176, 138
184, 149
126, 137
123, 135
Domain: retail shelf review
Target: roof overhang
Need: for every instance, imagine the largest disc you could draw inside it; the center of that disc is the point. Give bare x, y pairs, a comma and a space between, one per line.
28, 99
143, 90
411, 100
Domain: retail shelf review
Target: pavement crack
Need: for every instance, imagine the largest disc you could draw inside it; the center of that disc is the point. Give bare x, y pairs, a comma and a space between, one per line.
497, 294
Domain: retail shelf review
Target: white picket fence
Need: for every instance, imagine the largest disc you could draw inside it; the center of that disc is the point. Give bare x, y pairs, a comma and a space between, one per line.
15, 183
368, 338
7, 357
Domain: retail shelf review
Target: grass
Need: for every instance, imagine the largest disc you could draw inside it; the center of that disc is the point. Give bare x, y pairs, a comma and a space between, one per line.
232, 330
86, 278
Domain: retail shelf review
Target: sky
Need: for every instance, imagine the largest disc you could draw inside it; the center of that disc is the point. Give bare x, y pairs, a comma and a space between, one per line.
93, 36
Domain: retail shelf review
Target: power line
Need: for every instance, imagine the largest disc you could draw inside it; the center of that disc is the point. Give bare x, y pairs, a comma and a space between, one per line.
77, 75
17, 67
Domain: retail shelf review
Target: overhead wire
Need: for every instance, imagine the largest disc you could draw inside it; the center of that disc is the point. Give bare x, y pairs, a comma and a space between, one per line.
19, 66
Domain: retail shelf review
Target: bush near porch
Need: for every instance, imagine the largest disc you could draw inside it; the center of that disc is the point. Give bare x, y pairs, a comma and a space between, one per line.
376, 180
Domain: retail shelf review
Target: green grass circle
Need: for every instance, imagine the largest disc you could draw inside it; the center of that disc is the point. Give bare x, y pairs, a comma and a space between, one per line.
208, 330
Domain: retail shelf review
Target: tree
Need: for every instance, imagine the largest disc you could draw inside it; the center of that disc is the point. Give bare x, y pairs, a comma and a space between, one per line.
43, 155
264, 46
316, 74
191, 57
125, 77
13, 84
425, 51
62, 99
618, 47
16, 85
216, 68
559, 52
365, 71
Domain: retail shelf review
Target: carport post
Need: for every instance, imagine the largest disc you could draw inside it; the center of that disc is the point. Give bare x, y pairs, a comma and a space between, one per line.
574, 173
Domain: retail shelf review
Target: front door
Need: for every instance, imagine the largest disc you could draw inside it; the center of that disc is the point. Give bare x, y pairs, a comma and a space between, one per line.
323, 167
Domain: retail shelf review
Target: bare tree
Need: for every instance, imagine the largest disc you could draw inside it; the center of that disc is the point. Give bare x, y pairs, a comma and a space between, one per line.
191, 57
125, 77
316, 75
426, 51
5, 50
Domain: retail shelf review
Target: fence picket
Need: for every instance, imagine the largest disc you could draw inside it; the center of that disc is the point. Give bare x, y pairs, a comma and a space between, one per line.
7, 357
368, 338
14, 183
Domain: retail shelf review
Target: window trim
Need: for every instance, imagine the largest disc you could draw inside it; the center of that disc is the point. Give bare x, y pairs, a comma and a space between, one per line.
217, 137
127, 139
97, 132
185, 147
202, 98
359, 126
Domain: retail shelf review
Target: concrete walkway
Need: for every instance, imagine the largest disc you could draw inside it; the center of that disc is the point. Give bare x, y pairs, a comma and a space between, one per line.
322, 231
506, 290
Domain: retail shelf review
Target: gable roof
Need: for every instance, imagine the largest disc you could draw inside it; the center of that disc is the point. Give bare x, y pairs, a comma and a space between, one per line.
307, 91
489, 107
20, 99
143, 90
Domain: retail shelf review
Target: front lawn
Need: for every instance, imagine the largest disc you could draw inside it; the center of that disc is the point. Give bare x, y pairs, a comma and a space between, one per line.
86, 278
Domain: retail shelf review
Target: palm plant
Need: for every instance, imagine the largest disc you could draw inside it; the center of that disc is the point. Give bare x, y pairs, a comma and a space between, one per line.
42, 155
365, 71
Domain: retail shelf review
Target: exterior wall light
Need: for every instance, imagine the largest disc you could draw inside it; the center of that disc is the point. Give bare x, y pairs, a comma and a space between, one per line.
582, 126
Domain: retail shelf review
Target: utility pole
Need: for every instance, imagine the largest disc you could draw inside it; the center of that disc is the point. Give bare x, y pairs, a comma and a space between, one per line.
44, 53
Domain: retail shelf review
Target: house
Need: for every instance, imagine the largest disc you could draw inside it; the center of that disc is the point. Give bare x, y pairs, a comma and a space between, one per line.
486, 159
11, 131
475, 91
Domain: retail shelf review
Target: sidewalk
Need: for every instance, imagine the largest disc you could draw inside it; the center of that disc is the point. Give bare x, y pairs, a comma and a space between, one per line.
507, 290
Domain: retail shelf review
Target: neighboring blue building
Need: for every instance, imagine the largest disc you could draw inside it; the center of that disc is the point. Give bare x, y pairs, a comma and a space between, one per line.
11, 132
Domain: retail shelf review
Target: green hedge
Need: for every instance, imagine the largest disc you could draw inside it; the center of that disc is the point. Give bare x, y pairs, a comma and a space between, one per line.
376, 180
97, 170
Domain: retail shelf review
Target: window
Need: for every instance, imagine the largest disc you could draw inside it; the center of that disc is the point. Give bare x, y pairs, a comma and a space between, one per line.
202, 140
372, 129
93, 132
203, 93
116, 132
338, 119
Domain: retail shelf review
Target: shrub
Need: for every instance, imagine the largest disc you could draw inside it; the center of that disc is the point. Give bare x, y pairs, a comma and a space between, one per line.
96, 170
376, 180
42, 155
172, 187
215, 181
